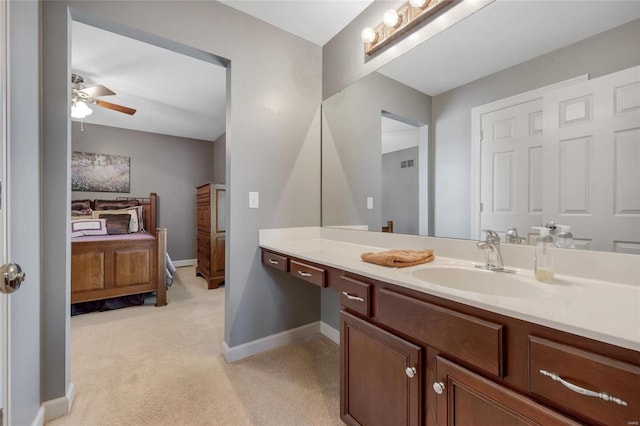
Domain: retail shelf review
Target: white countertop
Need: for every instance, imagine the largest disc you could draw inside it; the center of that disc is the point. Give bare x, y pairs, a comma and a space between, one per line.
593, 308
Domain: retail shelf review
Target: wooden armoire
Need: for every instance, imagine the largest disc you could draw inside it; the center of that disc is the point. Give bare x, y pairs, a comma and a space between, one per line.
210, 206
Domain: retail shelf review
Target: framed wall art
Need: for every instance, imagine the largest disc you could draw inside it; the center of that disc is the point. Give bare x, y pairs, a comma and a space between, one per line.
99, 172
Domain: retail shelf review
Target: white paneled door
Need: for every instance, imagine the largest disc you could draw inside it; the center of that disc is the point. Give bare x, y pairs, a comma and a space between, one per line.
591, 161
20, 230
511, 166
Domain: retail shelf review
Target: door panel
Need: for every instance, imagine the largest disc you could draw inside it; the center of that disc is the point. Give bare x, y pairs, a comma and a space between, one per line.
376, 389
591, 151
21, 97
466, 398
511, 166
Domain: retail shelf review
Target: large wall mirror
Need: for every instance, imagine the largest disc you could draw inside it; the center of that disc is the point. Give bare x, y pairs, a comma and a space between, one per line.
523, 113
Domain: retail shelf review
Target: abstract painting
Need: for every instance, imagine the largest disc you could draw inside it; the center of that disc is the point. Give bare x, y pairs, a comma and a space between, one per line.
99, 172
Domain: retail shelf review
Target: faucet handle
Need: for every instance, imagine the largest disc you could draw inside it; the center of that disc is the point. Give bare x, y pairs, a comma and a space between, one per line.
492, 236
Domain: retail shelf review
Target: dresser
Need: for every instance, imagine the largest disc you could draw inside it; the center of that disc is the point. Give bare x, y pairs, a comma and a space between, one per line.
210, 207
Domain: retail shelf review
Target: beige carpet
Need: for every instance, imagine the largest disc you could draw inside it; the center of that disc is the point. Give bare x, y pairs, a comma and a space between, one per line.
162, 366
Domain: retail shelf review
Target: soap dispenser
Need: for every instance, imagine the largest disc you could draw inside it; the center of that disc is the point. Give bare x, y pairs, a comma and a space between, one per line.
544, 256
564, 239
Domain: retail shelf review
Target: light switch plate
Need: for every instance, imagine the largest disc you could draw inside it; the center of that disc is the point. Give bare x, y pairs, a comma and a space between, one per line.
370, 203
254, 200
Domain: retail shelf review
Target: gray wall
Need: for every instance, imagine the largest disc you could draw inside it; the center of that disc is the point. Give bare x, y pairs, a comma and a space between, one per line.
400, 191
602, 54
220, 160
352, 154
273, 145
170, 166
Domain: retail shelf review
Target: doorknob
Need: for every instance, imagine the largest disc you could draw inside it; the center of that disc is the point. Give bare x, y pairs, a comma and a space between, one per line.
11, 276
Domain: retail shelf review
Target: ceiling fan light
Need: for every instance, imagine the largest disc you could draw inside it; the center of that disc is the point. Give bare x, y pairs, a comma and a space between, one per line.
80, 110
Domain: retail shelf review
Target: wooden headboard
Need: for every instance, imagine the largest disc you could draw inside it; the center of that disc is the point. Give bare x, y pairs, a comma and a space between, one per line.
149, 211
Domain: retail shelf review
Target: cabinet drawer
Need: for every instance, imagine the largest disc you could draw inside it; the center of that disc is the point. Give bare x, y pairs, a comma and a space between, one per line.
463, 336
619, 380
354, 295
204, 262
204, 218
275, 260
202, 197
307, 272
204, 240
203, 202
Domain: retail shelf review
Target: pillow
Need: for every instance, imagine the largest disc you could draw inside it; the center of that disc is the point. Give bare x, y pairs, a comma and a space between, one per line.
81, 217
83, 212
81, 205
135, 224
114, 204
117, 223
88, 227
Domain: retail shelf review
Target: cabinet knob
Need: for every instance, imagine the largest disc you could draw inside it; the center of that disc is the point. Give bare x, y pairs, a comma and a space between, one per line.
411, 371
438, 387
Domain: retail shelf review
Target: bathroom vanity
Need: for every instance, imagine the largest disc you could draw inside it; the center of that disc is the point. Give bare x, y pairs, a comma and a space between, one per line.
422, 345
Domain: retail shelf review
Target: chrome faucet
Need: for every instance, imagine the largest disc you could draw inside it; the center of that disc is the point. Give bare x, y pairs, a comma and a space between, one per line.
511, 236
491, 246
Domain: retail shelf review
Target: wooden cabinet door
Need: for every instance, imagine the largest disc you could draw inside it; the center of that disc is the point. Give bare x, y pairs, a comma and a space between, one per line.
375, 385
469, 399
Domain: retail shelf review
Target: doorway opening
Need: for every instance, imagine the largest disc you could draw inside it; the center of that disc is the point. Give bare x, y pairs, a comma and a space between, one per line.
176, 139
404, 175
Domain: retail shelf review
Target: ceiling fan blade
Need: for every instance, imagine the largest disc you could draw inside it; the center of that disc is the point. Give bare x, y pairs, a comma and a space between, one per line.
97, 90
115, 107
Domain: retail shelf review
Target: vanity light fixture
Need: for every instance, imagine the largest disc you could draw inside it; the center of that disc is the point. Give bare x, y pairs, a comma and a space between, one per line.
399, 21
391, 18
418, 3
369, 35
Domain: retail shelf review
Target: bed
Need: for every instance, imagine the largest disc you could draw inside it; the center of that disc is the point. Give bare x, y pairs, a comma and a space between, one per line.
121, 264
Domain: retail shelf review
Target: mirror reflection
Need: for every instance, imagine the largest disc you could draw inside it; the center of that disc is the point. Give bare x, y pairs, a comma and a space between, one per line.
536, 123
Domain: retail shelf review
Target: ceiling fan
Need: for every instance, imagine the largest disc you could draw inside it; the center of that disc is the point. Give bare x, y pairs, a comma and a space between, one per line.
81, 95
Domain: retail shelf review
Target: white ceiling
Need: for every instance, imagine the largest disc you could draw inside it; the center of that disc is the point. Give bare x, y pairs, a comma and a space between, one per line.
314, 20
173, 94
179, 95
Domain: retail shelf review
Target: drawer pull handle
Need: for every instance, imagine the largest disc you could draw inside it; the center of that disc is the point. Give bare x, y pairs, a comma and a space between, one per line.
352, 297
273, 262
582, 391
304, 274
410, 372
438, 387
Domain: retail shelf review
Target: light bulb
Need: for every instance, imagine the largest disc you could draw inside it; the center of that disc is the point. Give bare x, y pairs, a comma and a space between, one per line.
418, 3
368, 35
391, 18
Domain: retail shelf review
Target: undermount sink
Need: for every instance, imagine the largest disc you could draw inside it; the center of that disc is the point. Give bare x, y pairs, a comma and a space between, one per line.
479, 281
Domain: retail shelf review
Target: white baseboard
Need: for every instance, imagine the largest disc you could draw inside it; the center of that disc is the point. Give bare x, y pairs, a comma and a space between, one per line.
39, 420
58, 407
185, 262
330, 332
245, 350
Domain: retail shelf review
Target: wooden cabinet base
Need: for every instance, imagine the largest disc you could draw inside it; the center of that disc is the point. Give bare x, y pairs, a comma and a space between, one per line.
381, 376
411, 358
465, 398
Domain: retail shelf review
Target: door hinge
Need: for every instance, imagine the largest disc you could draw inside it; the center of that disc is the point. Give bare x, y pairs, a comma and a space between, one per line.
481, 207
481, 135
